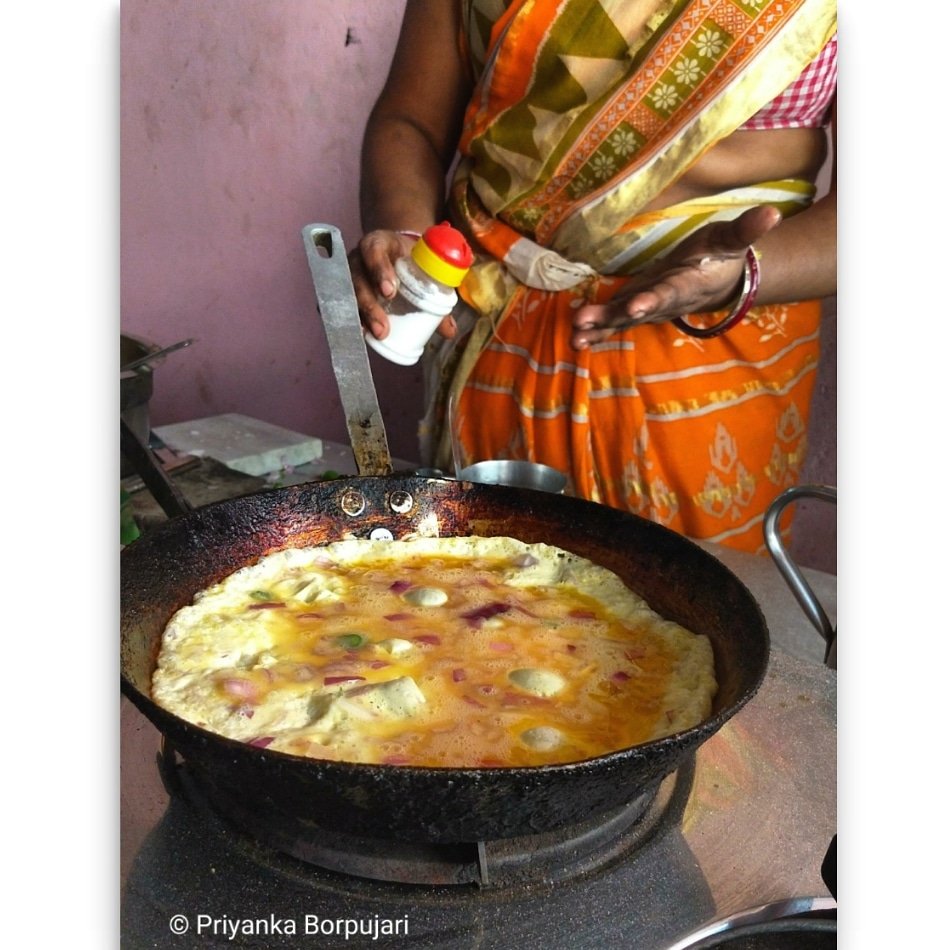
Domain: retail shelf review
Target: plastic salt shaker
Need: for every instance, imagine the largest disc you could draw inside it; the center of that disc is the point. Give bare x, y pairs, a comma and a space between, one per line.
438, 263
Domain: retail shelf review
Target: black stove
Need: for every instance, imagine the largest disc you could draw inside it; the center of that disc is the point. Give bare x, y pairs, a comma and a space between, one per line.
560, 855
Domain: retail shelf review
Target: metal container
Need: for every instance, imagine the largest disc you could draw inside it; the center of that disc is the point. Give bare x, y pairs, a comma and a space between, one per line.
135, 391
516, 473
791, 572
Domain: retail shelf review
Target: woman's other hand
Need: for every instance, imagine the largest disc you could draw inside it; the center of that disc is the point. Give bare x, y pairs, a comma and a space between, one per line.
702, 275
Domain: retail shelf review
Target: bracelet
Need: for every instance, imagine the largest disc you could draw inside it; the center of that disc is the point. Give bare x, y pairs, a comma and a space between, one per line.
744, 303
415, 235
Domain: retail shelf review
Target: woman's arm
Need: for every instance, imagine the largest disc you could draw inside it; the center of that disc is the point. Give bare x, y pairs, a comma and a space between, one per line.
800, 259
798, 262
408, 147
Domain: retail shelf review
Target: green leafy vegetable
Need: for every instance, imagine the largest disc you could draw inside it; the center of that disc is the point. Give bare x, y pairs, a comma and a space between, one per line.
351, 641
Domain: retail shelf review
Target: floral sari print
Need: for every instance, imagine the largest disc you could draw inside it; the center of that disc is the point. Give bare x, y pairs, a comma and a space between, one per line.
582, 114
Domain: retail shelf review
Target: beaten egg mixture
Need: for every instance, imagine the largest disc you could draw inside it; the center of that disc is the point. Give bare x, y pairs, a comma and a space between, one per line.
461, 652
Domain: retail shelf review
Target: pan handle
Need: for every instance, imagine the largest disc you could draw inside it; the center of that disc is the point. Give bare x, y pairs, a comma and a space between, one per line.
790, 570
168, 495
336, 302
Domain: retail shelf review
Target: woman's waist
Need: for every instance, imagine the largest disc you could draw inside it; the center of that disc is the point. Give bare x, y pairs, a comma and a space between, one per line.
587, 246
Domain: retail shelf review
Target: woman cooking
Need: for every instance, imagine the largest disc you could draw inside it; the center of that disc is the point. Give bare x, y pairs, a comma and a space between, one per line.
637, 179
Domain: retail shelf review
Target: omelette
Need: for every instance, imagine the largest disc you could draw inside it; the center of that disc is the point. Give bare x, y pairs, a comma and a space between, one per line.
439, 652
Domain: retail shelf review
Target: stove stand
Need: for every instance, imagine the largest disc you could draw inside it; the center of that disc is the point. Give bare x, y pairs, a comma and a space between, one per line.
196, 864
542, 858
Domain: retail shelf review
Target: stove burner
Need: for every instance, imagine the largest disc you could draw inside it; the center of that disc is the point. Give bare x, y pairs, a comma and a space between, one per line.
543, 858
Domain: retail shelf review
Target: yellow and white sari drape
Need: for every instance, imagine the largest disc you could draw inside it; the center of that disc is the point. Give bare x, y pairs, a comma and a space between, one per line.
582, 113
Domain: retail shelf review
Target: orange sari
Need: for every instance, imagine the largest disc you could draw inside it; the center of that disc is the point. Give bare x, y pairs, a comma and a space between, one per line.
556, 159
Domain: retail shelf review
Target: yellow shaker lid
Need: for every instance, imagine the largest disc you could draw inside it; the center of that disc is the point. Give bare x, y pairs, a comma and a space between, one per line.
443, 253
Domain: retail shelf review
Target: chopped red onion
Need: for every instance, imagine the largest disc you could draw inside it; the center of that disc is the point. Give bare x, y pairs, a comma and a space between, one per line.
245, 689
333, 680
479, 614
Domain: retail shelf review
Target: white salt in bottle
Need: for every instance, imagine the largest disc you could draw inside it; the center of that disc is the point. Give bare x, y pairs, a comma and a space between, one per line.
437, 264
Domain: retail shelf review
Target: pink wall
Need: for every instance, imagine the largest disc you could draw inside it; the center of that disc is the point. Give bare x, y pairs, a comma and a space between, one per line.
241, 122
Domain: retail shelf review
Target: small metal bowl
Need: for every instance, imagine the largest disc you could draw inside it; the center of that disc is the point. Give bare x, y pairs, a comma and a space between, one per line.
516, 473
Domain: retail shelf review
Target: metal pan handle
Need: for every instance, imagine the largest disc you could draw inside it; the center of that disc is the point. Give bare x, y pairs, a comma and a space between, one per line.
169, 496
336, 301
789, 569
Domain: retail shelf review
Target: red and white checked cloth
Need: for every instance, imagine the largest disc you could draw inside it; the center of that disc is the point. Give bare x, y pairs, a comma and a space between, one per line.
806, 103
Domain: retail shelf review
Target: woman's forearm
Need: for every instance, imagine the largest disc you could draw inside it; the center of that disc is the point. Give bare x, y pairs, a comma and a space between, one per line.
413, 130
799, 258
402, 184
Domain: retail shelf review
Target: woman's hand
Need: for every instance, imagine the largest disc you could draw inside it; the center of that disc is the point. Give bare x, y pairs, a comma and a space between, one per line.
375, 281
374, 277
702, 275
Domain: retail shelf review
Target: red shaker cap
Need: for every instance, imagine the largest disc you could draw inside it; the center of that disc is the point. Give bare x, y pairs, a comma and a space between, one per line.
444, 253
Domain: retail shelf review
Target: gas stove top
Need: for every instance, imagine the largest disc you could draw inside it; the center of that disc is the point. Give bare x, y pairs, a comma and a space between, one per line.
741, 828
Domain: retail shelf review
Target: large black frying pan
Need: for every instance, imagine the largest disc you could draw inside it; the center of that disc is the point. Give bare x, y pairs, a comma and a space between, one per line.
162, 571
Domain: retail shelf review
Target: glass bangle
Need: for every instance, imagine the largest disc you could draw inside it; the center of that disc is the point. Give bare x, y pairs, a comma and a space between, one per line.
744, 303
